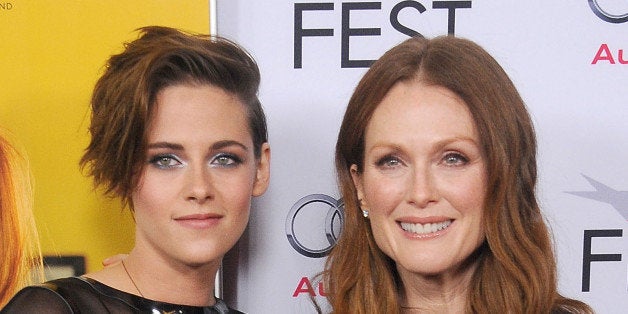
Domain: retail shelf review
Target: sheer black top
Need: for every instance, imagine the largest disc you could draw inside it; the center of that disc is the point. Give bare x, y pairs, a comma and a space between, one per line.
84, 295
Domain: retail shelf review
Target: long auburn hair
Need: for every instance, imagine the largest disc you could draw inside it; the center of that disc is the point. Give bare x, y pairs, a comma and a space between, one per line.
517, 269
19, 244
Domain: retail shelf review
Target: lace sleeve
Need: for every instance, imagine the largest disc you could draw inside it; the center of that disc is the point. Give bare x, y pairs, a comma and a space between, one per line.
37, 299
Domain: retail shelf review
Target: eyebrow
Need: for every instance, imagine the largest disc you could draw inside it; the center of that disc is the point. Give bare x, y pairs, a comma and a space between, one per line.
168, 145
439, 144
227, 143
455, 139
179, 147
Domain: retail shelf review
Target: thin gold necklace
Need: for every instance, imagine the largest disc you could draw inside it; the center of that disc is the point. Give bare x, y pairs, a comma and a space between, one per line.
132, 281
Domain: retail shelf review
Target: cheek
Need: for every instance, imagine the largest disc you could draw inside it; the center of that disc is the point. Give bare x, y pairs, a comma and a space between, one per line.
469, 193
151, 192
469, 199
237, 189
239, 205
236, 200
382, 193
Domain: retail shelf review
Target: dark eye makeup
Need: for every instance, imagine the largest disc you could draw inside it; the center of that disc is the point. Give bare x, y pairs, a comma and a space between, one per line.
226, 160
165, 161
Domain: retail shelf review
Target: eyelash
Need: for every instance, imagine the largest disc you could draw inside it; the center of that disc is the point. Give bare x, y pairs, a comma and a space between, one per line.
155, 161
233, 162
460, 159
229, 161
385, 162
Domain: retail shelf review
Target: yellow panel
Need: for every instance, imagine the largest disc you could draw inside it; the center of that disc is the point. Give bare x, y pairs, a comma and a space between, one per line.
51, 53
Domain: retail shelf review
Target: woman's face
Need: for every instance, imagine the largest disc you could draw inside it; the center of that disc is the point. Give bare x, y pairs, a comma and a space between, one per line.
194, 194
423, 180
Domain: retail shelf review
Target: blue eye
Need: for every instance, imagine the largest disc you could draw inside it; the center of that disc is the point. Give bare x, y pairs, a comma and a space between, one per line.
455, 159
226, 160
388, 162
165, 161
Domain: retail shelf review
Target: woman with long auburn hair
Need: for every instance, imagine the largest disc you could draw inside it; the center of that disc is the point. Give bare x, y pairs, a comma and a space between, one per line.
177, 133
436, 161
19, 243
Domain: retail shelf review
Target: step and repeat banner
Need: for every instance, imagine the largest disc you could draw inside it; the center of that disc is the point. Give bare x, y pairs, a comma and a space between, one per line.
569, 60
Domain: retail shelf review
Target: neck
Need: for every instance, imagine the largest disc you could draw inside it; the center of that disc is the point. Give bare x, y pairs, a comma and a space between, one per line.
172, 282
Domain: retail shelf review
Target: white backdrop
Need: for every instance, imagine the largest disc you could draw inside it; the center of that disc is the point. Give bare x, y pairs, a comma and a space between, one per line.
569, 60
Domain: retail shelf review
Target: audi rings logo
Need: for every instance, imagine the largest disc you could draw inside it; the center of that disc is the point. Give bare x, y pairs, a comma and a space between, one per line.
608, 17
303, 224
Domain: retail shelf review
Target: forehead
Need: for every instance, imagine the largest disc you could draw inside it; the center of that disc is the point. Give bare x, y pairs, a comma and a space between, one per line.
412, 109
197, 112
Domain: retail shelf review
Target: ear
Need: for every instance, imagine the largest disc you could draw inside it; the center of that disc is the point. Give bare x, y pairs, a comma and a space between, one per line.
357, 182
262, 175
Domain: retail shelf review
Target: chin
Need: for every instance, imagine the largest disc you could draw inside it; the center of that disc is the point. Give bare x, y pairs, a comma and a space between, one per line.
428, 267
202, 261
426, 271
199, 258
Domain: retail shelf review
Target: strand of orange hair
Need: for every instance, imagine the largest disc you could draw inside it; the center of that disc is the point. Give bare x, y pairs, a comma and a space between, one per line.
19, 244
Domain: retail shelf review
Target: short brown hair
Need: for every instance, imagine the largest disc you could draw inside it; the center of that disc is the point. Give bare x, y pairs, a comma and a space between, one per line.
124, 97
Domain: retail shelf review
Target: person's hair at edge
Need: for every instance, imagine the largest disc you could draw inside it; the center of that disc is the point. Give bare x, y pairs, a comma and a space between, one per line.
517, 267
19, 244
124, 97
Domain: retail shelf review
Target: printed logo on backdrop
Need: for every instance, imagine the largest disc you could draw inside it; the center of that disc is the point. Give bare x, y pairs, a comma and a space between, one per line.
609, 54
347, 30
314, 224
619, 201
6, 6
607, 16
312, 227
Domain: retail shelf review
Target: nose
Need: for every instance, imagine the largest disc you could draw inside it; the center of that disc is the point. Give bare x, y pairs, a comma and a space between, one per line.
198, 184
422, 190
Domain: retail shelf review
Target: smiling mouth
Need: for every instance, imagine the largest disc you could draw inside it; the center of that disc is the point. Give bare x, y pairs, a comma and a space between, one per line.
425, 228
